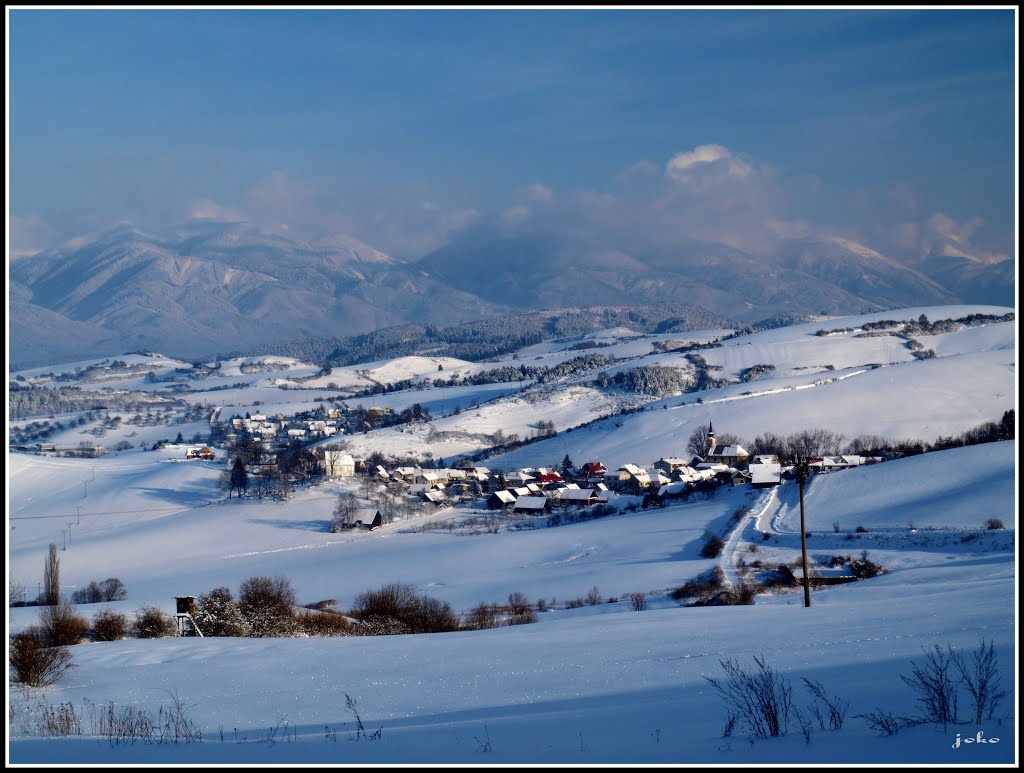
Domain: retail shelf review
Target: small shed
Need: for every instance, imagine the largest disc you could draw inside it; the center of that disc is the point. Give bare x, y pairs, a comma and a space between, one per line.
365, 517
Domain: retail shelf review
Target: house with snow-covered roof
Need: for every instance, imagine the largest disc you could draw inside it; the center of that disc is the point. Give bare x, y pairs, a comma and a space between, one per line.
733, 456
500, 500
670, 464
532, 505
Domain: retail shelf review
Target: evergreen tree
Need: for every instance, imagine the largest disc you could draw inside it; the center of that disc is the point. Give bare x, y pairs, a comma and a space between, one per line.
566, 465
239, 477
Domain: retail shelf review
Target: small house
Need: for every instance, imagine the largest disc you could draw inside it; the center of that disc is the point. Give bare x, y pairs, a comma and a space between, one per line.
576, 498
533, 505
500, 500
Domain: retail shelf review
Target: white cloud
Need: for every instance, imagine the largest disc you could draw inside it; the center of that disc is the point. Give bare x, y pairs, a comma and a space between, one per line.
513, 215
683, 165
27, 235
539, 192
207, 209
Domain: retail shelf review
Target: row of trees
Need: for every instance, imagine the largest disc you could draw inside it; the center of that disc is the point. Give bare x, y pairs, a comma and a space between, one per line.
817, 441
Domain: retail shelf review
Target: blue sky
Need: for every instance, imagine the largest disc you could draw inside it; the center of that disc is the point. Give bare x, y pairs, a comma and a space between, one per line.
403, 127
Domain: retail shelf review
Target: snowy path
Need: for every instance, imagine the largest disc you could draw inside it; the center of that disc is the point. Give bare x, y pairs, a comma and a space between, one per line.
748, 524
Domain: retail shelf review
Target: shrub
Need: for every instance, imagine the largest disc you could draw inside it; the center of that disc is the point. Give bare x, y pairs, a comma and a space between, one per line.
108, 625
994, 523
267, 606
593, 596
62, 625
218, 614
435, 616
713, 545
482, 616
865, 567
33, 662
982, 681
701, 586
322, 623
393, 600
935, 680
860, 530
398, 602
762, 699
381, 626
520, 611
639, 601
153, 623
574, 603
882, 721
836, 708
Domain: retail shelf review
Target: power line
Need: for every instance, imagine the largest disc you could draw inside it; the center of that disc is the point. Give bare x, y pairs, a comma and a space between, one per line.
108, 512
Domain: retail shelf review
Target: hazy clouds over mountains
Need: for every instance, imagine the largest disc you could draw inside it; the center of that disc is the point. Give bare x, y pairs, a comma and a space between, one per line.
214, 286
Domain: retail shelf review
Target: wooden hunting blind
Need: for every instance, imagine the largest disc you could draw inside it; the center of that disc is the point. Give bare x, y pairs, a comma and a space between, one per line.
185, 616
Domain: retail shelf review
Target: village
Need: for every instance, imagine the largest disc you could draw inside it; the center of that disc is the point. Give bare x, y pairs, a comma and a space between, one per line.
526, 491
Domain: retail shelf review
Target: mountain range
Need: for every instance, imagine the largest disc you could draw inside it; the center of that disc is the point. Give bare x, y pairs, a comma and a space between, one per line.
210, 286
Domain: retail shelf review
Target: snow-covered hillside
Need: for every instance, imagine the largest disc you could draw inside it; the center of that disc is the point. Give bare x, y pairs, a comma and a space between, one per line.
600, 683
595, 684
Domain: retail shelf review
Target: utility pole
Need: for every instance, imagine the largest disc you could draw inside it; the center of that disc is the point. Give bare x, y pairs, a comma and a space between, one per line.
801, 476
79, 509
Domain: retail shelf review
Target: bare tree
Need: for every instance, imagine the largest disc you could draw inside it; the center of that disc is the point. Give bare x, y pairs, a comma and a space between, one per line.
332, 456
344, 509
15, 590
51, 577
699, 442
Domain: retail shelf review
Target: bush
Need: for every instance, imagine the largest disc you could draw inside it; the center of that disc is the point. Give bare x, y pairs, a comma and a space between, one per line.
520, 611
218, 614
482, 616
34, 663
593, 596
982, 680
994, 523
835, 708
860, 530
153, 623
639, 601
865, 567
574, 603
108, 625
323, 623
267, 606
713, 545
381, 626
399, 602
935, 680
882, 721
62, 625
762, 699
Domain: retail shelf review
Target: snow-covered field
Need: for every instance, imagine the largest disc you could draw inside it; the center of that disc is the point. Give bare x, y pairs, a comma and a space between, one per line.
600, 684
